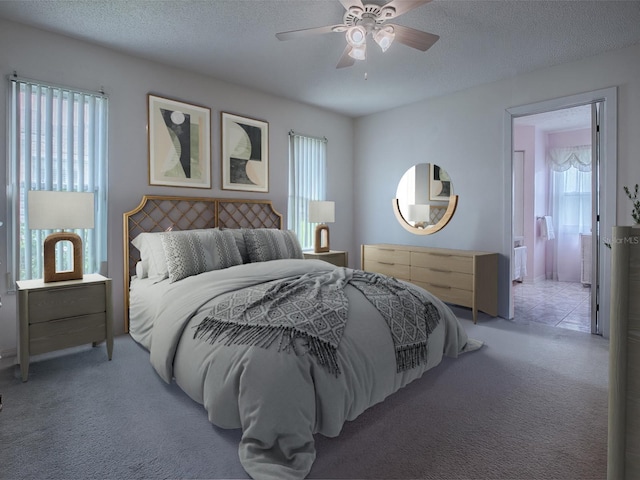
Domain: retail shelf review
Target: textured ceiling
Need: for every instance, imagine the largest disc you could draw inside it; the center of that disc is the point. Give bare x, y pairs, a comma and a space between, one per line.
234, 40
559, 120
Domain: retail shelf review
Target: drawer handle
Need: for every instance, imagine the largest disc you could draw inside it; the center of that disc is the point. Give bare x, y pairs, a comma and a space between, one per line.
386, 263
440, 254
441, 286
387, 249
439, 270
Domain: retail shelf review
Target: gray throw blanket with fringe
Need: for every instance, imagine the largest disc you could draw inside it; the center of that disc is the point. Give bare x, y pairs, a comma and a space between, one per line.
314, 308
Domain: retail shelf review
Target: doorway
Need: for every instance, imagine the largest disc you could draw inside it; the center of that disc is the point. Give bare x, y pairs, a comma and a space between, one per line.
552, 219
603, 105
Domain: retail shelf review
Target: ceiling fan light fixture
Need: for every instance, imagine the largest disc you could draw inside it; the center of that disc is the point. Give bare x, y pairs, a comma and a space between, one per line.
384, 37
359, 53
356, 36
361, 20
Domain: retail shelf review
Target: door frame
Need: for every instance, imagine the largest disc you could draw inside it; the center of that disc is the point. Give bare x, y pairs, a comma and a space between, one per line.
607, 192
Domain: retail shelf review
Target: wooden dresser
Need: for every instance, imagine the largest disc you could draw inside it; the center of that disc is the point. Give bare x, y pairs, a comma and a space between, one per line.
461, 277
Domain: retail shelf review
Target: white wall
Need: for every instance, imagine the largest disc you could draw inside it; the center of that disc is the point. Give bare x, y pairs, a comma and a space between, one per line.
464, 133
127, 80
524, 139
540, 206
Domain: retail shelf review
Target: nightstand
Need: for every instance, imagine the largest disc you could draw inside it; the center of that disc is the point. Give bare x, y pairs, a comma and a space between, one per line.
57, 315
335, 257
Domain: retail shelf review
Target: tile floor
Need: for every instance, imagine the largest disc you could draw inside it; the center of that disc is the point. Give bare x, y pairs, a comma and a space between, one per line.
562, 304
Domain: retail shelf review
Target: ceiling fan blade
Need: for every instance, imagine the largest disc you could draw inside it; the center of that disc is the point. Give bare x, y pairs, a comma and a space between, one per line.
306, 32
414, 38
346, 60
347, 4
403, 6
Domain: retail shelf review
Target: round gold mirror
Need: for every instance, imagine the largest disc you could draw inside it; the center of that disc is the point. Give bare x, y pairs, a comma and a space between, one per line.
425, 201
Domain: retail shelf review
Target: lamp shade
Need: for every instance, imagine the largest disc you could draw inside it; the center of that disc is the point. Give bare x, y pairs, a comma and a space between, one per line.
60, 210
384, 37
419, 213
359, 53
356, 36
321, 212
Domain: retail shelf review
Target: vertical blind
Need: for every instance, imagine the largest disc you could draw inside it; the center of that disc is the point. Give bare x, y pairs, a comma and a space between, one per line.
307, 181
58, 142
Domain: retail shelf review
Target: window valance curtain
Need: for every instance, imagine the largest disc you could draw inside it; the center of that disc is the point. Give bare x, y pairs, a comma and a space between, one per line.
563, 158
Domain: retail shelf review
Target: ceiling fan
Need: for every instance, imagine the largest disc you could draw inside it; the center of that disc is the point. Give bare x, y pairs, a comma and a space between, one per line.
362, 20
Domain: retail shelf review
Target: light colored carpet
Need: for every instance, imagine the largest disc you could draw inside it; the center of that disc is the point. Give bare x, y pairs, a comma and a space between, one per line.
531, 404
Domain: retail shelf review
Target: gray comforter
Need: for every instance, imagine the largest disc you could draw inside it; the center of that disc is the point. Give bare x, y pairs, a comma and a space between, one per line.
281, 399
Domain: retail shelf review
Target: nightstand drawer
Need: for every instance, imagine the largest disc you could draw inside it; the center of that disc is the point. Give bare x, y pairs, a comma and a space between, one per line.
68, 332
64, 302
335, 257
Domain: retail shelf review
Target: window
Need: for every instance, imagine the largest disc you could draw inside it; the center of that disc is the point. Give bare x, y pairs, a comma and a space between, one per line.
570, 194
572, 199
57, 141
307, 181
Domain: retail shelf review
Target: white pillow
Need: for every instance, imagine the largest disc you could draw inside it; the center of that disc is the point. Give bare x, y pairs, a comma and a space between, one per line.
151, 251
142, 269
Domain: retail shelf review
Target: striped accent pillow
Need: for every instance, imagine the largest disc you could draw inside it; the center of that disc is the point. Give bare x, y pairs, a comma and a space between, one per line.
238, 234
264, 244
227, 254
192, 252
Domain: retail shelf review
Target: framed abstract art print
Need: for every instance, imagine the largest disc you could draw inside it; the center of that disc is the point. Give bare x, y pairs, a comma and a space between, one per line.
440, 187
179, 143
245, 153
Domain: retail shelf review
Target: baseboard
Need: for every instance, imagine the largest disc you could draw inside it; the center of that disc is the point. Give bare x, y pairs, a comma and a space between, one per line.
8, 357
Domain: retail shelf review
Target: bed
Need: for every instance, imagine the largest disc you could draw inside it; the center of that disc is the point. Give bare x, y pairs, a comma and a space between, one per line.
281, 347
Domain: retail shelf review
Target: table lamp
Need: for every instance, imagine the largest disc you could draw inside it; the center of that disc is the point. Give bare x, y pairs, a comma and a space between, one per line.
50, 210
322, 213
420, 214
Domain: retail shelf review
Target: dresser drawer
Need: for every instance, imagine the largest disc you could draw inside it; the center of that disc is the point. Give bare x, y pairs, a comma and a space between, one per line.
387, 255
388, 261
443, 261
462, 281
402, 272
448, 294
64, 302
